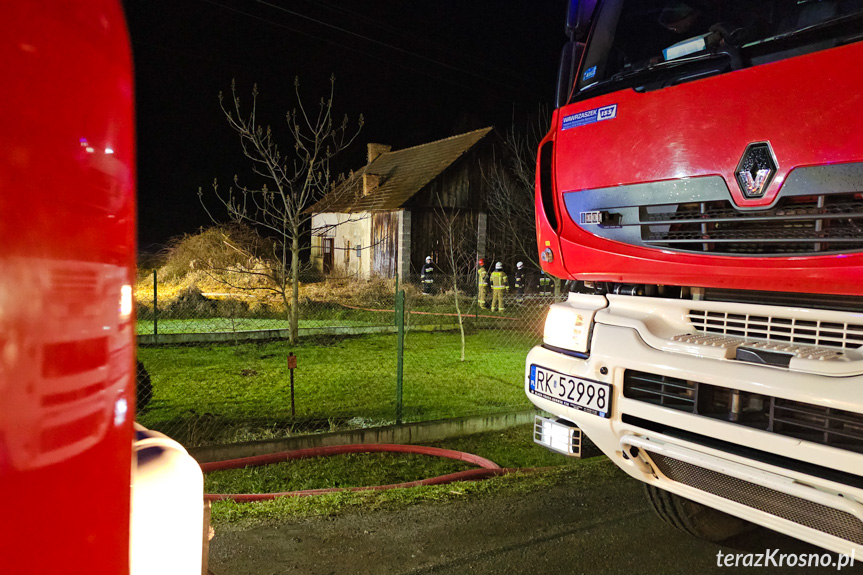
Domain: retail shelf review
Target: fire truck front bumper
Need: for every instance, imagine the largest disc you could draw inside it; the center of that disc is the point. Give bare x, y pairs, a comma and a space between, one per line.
779, 444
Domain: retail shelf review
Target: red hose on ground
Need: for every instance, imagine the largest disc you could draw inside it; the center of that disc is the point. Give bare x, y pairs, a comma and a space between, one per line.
487, 469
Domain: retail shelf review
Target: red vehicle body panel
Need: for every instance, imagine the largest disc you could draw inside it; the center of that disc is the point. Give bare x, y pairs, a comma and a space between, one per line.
807, 107
67, 248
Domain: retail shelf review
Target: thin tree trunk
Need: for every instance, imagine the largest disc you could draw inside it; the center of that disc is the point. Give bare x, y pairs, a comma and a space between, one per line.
460, 318
455, 287
282, 280
295, 286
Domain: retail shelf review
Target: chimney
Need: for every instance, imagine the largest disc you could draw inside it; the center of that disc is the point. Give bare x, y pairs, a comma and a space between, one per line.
376, 150
370, 182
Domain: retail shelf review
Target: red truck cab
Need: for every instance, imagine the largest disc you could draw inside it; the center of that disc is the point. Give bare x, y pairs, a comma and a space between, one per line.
702, 185
654, 191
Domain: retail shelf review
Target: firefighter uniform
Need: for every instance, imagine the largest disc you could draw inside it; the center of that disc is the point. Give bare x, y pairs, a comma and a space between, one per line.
482, 284
519, 282
499, 283
427, 276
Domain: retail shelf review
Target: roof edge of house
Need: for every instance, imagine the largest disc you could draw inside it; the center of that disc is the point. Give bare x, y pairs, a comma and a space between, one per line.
486, 130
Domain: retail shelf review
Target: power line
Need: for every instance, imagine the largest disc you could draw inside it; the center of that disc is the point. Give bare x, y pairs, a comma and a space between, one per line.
385, 44
349, 48
423, 71
395, 30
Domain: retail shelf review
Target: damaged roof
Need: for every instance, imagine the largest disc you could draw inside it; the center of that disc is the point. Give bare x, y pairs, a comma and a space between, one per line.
393, 178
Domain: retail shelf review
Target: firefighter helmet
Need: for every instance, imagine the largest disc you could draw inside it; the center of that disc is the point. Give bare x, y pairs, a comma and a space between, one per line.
498, 266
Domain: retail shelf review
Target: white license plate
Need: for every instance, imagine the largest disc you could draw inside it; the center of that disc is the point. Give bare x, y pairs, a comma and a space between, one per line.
590, 396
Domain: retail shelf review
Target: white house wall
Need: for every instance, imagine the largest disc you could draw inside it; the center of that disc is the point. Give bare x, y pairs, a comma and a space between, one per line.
348, 231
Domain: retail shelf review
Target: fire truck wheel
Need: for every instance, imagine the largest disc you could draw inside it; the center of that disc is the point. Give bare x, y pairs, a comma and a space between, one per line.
694, 518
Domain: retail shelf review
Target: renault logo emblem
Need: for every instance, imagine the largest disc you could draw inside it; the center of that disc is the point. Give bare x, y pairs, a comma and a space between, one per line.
756, 169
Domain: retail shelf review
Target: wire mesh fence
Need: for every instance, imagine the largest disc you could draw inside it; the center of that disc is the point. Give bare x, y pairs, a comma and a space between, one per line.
218, 366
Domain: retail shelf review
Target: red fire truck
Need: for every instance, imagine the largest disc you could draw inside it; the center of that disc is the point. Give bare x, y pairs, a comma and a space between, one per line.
702, 185
84, 489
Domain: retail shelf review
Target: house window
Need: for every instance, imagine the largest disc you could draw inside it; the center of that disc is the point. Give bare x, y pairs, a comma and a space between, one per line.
359, 251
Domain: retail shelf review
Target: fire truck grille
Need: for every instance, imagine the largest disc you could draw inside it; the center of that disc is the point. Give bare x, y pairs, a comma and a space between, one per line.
804, 421
795, 226
798, 510
778, 329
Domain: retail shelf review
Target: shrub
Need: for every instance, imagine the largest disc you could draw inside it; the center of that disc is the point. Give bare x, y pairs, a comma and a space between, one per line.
189, 303
216, 249
232, 308
265, 310
377, 292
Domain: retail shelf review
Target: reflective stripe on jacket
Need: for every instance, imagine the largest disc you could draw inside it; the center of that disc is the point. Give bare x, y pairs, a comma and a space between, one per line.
426, 275
499, 280
483, 277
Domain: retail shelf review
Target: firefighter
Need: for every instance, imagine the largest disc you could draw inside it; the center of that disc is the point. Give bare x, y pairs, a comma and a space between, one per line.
519, 282
499, 283
482, 283
427, 276
544, 282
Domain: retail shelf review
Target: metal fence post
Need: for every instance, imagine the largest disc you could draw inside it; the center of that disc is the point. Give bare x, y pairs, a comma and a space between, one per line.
155, 307
400, 351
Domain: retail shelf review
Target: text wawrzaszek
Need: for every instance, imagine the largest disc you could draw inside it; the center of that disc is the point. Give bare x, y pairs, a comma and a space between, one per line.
773, 558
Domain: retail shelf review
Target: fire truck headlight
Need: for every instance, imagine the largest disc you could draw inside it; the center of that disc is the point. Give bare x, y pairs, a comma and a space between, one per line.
568, 324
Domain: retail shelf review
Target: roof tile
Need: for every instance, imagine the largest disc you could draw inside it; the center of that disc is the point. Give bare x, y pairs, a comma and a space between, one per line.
400, 175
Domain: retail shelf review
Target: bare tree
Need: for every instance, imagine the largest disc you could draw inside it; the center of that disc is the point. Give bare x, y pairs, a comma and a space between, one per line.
294, 177
511, 179
458, 252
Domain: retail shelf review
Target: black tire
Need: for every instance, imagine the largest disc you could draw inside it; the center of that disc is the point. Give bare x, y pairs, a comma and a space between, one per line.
694, 518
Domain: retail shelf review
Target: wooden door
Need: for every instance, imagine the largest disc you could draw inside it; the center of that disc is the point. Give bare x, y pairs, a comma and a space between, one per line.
327, 252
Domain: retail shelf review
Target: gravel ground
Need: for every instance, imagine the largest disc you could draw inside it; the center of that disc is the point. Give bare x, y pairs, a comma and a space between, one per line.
596, 528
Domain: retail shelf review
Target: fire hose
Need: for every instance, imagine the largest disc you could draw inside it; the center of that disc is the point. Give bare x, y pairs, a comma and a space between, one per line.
487, 468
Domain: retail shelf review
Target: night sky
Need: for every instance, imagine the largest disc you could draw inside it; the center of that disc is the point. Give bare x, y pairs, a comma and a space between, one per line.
418, 70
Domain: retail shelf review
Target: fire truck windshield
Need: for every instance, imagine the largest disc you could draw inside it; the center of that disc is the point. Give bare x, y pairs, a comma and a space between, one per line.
651, 44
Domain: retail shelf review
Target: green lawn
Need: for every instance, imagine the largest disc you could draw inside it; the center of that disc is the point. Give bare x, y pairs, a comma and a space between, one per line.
224, 393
